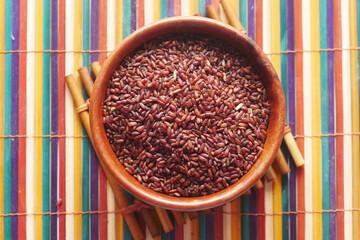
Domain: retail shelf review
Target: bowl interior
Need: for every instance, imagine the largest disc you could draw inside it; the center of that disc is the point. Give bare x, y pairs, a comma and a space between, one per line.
258, 60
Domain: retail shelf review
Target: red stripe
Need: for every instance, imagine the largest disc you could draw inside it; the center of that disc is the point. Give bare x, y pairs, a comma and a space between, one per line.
261, 209
22, 120
103, 205
218, 223
102, 30
177, 7
102, 57
61, 96
259, 23
339, 120
260, 192
216, 3
299, 116
140, 13
179, 231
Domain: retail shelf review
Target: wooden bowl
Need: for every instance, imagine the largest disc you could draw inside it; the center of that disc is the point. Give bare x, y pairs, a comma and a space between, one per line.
256, 57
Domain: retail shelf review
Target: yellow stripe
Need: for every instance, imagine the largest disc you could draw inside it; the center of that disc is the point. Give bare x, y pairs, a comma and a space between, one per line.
118, 24
236, 219
355, 119
194, 8
118, 38
2, 72
77, 123
275, 59
156, 10
315, 112
38, 116
119, 224
235, 4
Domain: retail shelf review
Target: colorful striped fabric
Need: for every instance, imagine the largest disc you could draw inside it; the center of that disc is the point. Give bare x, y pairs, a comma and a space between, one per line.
51, 185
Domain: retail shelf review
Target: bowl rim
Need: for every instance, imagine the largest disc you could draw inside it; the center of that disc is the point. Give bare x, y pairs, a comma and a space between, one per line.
108, 157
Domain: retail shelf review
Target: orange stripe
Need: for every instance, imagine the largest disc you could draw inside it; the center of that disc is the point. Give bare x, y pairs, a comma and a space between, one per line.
260, 192
259, 23
236, 219
216, 3
300, 116
22, 119
339, 120
102, 177
177, 7
140, 13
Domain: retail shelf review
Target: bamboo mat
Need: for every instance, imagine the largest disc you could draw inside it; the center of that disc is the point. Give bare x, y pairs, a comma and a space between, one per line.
51, 185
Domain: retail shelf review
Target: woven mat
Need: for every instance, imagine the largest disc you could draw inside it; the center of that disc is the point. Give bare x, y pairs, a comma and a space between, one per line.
50, 180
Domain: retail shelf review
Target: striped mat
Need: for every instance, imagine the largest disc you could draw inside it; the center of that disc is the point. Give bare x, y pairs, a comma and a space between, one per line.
51, 185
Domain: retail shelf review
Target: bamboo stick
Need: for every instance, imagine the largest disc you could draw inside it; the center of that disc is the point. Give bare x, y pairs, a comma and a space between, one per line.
95, 67
281, 162
179, 217
230, 14
147, 216
86, 80
119, 194
258, 185
193, 215
248, 192
293, 147
151, 222
206, 211
213, 13
270, 174
164, 219
235, 22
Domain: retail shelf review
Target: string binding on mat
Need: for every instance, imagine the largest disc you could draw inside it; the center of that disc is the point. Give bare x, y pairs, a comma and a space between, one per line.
287, 129
83, 107
135, 207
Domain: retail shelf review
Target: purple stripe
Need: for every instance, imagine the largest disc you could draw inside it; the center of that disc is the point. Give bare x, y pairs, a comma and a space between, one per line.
252, 198
251, 19
54, 118
292, 114
253, 219
210, 226
207, 3
15, 118
331, 103
94, 165
170, 8
133, 15
172, 234
94, 23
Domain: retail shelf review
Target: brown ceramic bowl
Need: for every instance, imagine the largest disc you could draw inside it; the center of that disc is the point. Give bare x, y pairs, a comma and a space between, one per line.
257, 59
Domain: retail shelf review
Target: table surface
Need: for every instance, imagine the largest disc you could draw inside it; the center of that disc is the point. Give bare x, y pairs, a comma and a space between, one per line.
50, 181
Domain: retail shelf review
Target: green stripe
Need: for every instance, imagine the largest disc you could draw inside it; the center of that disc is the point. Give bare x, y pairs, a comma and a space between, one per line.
202, 226
245, 227
243, 13
324, 118
85, 141
127, 233
163, 8
7, 119
284, 81
201, 7
46, 121
126, 32
126, 18
164, 236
